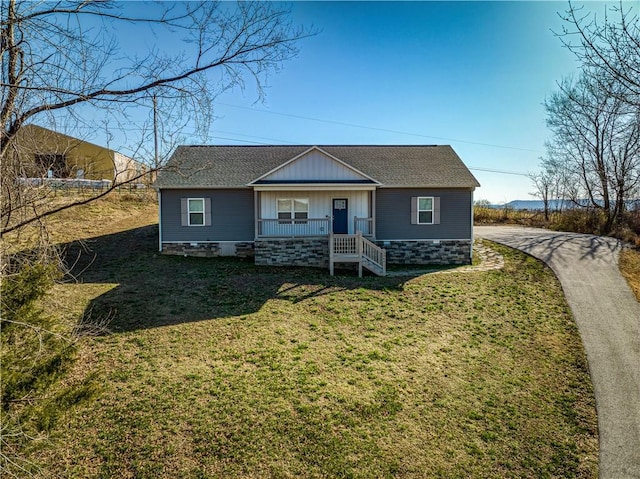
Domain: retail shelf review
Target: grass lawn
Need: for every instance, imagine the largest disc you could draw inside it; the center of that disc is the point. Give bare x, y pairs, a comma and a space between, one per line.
219, 368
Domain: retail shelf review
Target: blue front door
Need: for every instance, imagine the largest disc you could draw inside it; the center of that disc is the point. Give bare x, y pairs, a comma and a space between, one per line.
340, 216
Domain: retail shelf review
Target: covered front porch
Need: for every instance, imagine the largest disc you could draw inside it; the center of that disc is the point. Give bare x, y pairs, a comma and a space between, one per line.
296, 213
312, 226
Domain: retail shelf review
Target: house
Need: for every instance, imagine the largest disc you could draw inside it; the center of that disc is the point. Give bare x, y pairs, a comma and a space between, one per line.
318, 205
45, 153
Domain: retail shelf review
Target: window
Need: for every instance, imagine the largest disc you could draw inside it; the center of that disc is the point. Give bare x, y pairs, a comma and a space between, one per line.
293, 209
425, 210
196, 211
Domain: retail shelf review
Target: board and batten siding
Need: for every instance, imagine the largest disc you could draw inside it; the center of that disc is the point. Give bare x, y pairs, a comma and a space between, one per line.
320, 203
314, 166
231, 216
393, 214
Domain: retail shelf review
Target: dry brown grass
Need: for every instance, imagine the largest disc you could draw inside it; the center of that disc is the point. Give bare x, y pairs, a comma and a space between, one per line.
630, 268
116, 212
113, 213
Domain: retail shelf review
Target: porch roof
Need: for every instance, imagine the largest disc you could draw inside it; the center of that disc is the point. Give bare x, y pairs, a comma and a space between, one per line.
423, 166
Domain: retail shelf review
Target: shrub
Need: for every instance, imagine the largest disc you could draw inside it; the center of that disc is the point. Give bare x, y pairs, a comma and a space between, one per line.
590, 221
35, 354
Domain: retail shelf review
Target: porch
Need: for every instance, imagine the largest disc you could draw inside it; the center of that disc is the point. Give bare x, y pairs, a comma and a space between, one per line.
317, 227
295, 212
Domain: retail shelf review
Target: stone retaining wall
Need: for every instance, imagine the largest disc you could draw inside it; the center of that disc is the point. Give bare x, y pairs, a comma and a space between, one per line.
293, 252
427, 252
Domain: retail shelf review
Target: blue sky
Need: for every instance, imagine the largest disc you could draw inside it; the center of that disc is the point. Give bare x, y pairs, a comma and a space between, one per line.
470, 74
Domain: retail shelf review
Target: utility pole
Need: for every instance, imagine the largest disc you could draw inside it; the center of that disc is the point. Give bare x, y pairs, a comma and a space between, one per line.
156, 160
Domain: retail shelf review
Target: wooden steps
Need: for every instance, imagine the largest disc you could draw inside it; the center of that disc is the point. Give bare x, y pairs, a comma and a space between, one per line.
344, 248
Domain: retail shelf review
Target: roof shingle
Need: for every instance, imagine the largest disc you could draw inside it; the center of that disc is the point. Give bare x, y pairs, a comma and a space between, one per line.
424, 166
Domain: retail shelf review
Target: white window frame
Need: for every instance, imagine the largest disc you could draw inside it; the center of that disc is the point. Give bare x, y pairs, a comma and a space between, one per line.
292, 212
202, 212
432, 210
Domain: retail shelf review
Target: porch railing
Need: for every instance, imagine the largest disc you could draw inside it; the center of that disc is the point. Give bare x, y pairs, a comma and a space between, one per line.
357, 249
375, 255
364, 225
345, 245
290, 228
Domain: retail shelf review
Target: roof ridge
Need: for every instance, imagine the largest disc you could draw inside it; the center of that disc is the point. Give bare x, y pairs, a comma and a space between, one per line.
309, 145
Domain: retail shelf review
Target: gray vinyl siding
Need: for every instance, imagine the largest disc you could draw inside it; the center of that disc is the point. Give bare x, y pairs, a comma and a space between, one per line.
231, 216
393, 214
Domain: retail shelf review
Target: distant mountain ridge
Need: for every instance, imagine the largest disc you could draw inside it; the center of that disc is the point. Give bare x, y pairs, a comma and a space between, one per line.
538, 205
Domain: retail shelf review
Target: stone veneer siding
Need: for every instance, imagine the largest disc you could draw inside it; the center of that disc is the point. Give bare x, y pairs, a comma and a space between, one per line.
243, 249
293, 252
427, 252
315, 251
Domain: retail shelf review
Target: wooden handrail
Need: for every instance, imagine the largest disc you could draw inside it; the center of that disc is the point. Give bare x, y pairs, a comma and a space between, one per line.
374, 253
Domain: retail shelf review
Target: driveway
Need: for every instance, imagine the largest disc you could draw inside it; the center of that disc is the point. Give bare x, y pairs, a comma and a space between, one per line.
608, 318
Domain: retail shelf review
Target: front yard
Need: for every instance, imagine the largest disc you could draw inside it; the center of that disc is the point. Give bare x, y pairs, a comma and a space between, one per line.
219, 368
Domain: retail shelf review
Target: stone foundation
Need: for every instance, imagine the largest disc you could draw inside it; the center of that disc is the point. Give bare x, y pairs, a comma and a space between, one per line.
210, 250
293, 252
315, 251
427, 252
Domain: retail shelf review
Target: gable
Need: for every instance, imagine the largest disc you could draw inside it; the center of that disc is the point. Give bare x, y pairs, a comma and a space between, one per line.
314, 166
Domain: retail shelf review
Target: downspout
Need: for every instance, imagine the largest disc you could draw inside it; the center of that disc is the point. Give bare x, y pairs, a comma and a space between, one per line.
471, 248
256, 206
159, 220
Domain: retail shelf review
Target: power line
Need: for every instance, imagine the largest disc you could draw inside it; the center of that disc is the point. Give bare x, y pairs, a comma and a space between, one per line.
237, 139
251, 136
474, 168
492, 170
334, 122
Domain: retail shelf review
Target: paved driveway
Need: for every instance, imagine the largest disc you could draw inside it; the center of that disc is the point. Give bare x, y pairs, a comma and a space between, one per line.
608, 318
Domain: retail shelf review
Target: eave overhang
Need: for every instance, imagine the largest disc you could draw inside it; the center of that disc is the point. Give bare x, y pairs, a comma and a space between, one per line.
315, 187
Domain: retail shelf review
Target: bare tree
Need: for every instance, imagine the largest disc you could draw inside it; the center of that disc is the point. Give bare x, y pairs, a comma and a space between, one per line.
63, 59
552, 183
63, 63
610, 44
543, 182
596, 140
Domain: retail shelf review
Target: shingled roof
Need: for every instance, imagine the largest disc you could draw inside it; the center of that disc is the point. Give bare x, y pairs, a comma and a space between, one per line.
426, 166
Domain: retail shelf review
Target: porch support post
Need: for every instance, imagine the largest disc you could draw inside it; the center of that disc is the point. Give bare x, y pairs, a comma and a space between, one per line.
373, 214
359, 252
331, 253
